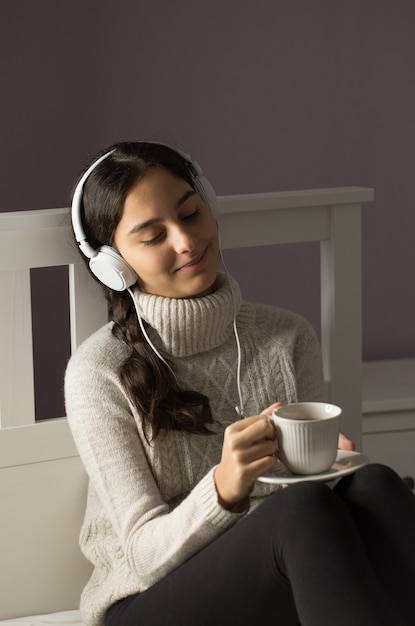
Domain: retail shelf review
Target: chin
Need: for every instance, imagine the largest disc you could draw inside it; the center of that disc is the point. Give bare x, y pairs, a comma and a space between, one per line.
201, 288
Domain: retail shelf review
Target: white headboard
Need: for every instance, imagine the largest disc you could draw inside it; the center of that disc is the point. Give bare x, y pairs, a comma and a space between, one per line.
42, 483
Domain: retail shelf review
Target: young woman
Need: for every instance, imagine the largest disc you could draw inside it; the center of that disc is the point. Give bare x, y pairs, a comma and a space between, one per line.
177, 526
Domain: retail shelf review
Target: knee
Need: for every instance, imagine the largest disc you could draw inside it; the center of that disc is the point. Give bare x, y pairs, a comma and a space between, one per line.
378, 473
375, 476
369, 483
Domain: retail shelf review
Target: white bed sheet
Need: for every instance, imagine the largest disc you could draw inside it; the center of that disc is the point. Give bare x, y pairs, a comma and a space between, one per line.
69, 618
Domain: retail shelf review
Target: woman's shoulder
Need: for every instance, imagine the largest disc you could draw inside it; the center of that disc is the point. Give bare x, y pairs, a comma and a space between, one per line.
269, 317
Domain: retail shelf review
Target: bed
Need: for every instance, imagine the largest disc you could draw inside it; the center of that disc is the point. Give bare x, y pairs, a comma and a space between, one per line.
42, 482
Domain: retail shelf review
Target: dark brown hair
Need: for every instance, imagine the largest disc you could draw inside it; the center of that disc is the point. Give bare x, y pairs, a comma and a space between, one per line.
148, 382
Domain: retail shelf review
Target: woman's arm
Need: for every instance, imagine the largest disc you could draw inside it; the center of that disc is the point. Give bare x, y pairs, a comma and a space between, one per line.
308, 364
154, 538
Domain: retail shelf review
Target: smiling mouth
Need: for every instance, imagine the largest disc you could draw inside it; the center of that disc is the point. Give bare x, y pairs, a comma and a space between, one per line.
195, 264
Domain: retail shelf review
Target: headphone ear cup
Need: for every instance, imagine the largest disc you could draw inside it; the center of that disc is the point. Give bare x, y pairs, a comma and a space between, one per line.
111, 269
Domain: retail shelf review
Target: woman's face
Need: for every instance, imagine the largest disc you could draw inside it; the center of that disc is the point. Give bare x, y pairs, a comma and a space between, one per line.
169, 236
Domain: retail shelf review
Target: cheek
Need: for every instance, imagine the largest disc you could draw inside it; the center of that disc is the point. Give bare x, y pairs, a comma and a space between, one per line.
154, 262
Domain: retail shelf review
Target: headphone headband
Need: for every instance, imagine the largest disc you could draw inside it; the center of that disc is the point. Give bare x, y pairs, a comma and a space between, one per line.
77, 226
105, 262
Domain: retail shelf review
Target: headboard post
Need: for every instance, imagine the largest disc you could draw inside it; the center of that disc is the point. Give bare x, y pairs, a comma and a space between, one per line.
17, 404
341, 332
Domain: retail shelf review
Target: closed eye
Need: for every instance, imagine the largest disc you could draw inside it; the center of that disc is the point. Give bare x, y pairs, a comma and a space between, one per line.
154, 240
192, 216
160, 236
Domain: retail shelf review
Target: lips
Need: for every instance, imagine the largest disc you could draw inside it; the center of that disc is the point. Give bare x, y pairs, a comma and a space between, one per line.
194, 264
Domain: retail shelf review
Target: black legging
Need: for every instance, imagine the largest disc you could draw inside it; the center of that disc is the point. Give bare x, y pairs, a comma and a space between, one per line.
308, 555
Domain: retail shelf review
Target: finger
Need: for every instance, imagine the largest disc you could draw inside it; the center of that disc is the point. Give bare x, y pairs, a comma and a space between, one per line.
248, 422
270, 409
261, 429
345, 443
256, 429
257, 451
261, 465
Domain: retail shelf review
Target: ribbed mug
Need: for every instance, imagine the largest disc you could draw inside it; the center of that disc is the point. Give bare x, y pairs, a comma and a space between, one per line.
308, 434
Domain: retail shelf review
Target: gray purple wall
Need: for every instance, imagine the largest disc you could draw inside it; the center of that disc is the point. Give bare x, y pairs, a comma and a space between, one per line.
267, 95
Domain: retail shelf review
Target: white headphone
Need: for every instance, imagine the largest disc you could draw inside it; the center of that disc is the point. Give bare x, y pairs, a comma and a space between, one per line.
105, 262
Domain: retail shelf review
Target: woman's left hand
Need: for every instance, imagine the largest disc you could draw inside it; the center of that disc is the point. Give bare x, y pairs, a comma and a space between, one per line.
345, 443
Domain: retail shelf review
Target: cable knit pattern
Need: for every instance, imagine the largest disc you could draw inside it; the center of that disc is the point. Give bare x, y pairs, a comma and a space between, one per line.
188, 326
152, 506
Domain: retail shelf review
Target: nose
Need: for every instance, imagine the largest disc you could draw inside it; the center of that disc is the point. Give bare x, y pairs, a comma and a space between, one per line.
183, 240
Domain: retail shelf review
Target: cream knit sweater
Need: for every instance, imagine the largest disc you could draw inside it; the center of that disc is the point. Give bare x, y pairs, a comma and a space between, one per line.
151, 507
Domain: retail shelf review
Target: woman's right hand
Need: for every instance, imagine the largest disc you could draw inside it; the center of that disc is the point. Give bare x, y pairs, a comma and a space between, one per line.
248, 450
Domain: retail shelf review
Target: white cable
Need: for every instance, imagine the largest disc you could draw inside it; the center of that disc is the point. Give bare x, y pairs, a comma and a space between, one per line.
239, 409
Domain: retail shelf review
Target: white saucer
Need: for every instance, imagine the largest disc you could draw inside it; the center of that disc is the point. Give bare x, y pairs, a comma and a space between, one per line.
346, 463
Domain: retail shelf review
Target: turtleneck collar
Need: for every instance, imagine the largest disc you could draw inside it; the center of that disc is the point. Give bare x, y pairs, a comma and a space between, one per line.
182, 327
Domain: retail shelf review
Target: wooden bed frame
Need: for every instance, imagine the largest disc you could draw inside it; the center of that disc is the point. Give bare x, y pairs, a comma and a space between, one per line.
42, 481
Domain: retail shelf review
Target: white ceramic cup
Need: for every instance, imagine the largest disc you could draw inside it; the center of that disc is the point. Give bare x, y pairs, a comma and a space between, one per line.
308, 434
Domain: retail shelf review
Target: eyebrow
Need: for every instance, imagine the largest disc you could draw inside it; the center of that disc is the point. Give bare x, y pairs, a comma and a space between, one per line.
138, 227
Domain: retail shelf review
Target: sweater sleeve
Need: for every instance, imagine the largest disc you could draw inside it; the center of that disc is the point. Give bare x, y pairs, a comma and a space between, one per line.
132, 522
